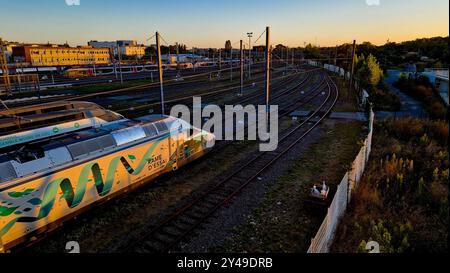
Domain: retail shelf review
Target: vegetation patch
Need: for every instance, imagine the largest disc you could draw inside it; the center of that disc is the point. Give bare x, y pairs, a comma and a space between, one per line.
370, 77
422, 90
402, 200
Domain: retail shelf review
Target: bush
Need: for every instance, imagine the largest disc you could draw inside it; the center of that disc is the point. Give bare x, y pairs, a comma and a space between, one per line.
402, 200
422, 90
406, 128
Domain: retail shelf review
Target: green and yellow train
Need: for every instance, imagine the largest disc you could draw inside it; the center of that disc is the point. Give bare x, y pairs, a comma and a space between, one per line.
50, 180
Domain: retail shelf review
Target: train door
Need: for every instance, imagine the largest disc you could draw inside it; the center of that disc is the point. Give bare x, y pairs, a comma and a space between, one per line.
176, 139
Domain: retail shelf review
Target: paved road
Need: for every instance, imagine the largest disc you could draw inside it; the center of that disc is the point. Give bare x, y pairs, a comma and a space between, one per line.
409, 106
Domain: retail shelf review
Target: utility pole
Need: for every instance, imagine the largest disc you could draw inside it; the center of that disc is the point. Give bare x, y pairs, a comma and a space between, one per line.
178, 56
292, 58
93, 63
231, 64
5, 70
19, 80
114, 63
160, 72
271, 59
119, 53
335, 55
220, 63
267, 75
193, 58
286, 60
241, 62
249, 34
353, 65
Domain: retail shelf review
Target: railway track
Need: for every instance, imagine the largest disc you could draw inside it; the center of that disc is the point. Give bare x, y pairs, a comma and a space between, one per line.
279, 95
139, 88
175, 228
285, 106
187, 99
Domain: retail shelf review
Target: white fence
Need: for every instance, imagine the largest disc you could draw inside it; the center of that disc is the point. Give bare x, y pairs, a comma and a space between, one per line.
321, 243
363, 95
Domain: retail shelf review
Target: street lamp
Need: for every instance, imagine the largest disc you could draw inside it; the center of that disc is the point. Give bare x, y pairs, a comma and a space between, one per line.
250, 35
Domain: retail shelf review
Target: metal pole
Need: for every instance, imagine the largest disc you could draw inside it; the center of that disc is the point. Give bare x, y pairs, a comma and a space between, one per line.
242, 70
353, 65
178, 56
119, 52
193, 58
115, 67
160, 71
292, 58
249, 54
220, 63
267, 75
335, 55
38, 86
231, 64
286, 60
271, 59
93, 64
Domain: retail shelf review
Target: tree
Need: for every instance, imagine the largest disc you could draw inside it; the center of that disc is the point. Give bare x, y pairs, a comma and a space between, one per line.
376, 73
368, 71
228, 46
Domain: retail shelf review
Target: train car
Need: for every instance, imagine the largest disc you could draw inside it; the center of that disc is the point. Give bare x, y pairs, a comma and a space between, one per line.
79, 72
185, 66
30, 123
46, 182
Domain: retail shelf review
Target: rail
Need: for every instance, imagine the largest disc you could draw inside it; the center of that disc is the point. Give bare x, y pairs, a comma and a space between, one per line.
179, 225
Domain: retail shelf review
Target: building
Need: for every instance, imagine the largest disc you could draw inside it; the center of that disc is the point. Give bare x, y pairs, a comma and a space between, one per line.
128, 48
56, 55
8, 50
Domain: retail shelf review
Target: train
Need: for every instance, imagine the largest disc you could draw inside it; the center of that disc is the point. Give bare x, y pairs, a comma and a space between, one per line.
127, 69
58, 175
81, 72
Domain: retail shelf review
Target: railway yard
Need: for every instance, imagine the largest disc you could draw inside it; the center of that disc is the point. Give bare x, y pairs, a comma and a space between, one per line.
216, 136
235, 198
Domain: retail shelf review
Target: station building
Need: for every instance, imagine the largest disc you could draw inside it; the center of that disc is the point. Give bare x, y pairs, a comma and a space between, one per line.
128, 48
57, 55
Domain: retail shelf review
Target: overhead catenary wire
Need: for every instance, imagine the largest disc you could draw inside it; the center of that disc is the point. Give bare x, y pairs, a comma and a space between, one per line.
162, 38
254, 43
151, 37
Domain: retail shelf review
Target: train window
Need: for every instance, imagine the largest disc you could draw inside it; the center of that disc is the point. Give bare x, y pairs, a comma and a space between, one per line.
26, 113
92, 145
150, 130
162, 127
27, 154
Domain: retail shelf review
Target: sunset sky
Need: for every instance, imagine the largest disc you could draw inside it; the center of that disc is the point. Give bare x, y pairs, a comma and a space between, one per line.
207, 23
